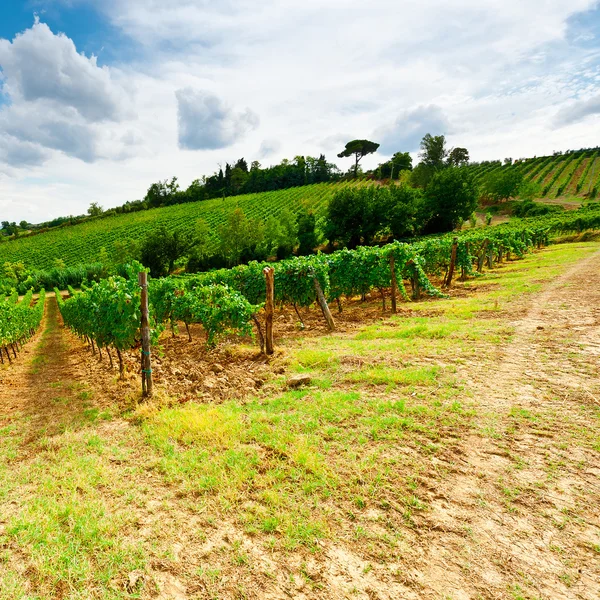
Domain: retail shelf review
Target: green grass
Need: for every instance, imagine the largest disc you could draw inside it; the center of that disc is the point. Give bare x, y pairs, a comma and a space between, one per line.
350, 460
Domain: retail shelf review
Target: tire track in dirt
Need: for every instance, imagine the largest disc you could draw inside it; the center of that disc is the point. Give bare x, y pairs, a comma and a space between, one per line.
517, 516
557, 307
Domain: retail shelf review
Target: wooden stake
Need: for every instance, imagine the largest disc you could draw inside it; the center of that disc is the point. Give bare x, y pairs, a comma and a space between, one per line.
261, 337
145, 331
299, 315
394, 283
121, 370
269, 308
452, 262
323, 304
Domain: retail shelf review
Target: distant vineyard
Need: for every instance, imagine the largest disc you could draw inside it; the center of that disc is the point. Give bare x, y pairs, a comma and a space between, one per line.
82, 244
576, 174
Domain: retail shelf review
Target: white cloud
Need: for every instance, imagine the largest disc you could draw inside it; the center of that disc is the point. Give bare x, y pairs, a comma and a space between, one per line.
39, 65
269, 148
59, 99
578, 111
407, 131
492, 74
207, 123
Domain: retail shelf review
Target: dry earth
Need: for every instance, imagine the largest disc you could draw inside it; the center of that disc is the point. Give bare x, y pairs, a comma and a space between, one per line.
513, 508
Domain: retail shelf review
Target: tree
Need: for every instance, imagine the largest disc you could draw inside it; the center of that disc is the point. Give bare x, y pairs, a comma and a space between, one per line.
433, 151
24, 225
162, 193
358, 148
126, 251
239, 238
307, 235
281, 235
95, 210
162, 248
401, 161
502, 184
400, 205
354, 216
450, 199
458, 157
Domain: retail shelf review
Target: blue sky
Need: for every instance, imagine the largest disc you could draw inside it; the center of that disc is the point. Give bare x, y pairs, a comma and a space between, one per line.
99, 98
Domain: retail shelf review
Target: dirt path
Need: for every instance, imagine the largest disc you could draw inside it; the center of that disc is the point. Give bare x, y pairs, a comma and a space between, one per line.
45, 387
518, 516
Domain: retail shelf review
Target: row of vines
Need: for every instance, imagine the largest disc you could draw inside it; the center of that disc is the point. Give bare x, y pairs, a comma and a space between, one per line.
107, 314
18, 322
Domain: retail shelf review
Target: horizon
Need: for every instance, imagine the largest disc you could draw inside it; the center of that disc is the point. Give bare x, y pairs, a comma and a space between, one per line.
133, 94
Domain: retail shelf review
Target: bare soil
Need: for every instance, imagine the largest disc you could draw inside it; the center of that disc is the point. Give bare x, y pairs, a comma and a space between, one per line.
513, 510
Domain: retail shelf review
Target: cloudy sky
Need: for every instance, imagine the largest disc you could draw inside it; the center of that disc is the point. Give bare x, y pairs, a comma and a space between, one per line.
99, 98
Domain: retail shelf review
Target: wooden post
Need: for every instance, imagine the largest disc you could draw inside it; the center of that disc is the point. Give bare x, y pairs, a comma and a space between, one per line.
261, 337
452, 262
394, 283
145, 331
120, 363
300, 316
482, 255
269, 308
323, 304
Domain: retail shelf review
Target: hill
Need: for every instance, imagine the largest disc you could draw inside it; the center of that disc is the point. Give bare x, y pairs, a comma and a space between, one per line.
570, 175
83, 243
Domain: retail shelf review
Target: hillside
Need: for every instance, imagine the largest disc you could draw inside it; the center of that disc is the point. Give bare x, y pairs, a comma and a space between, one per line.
83, 243
571, 175
562, 178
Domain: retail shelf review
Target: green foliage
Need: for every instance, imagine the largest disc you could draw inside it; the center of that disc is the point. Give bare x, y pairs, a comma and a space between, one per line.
450, 198
529, 190
217, 308
352, 216
122, 234
433, 151
281, 235
307, 235
162, 248
241, 238
107, 312
95, 210
358, 148
399, 208
528, 208
502, 184
19, 320
458, 157
392, 169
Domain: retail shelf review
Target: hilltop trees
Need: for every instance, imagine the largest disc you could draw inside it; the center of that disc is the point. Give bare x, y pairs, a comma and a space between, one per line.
458, 157
95, 210
401, 161
360, 149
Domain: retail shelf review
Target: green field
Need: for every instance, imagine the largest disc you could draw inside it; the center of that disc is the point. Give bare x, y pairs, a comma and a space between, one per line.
83, 243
